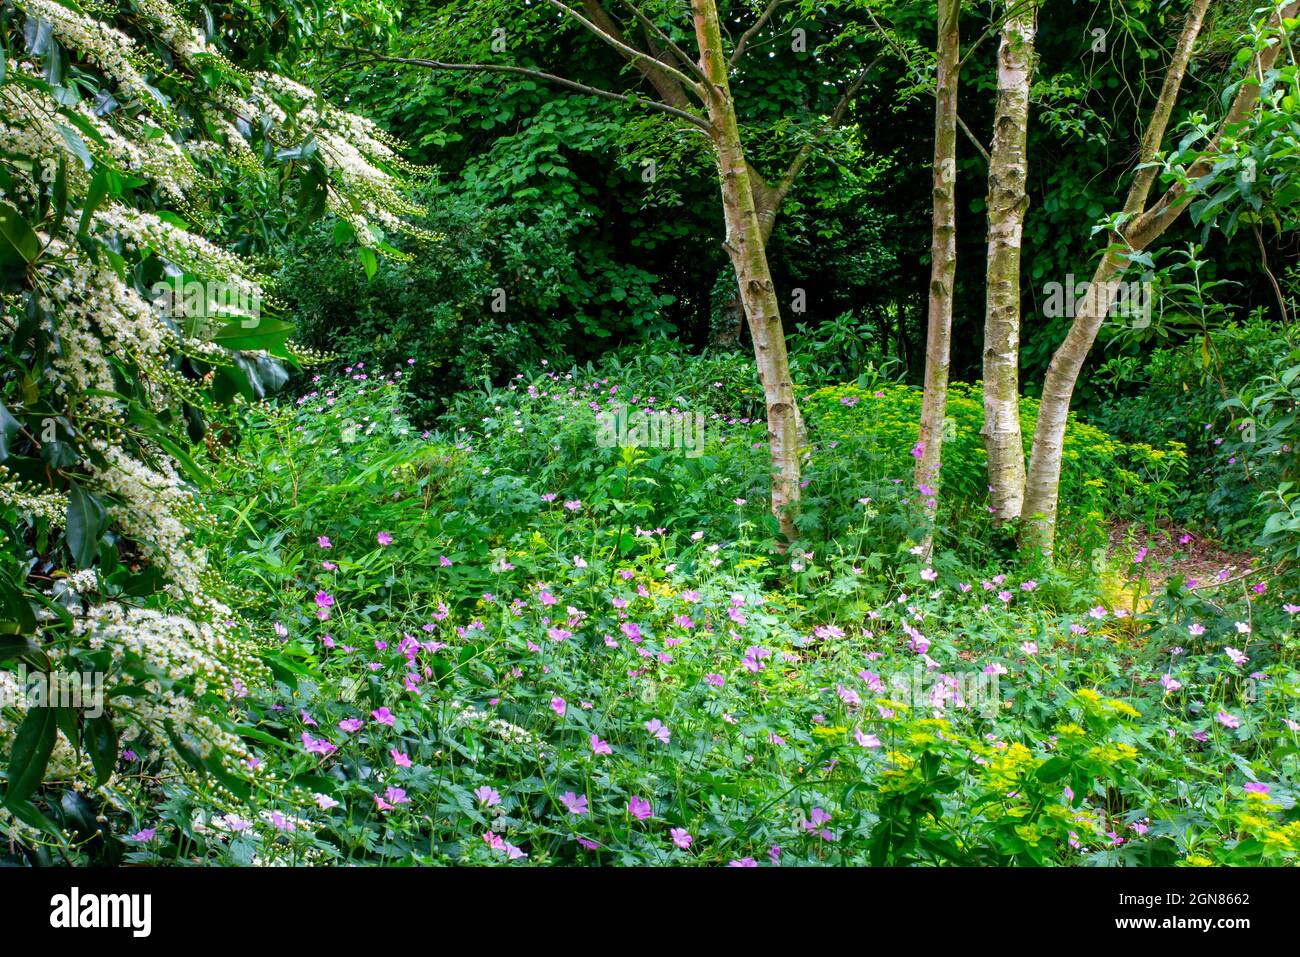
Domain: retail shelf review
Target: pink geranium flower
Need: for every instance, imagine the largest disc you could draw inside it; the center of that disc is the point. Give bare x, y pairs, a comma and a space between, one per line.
575, 804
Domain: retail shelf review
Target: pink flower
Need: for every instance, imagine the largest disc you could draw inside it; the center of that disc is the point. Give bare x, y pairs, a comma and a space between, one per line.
681, 837
396, 795
929, 574
444, 561
559, 706
487, 796
1237, 657
384, 539
349, 725
866, 740
144, 836
400, 758
317, 745
639, 808
599, 746
743, 862
383, 716
658, 730
325, 802
574, 803
324, 542
1227, 720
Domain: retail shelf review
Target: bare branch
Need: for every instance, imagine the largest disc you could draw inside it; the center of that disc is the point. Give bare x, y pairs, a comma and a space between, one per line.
748, 35
631, 52
537, 75
973, 139
669, 90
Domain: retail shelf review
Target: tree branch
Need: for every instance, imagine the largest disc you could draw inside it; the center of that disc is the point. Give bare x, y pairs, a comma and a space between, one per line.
677, 51
748, 35
1155, 133
669, 90
769, 198
631, 52
836, 117
537, 75
973, 139
1156, 220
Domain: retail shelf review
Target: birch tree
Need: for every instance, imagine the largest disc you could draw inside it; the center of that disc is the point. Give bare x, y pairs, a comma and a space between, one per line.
1007, 202
943, 253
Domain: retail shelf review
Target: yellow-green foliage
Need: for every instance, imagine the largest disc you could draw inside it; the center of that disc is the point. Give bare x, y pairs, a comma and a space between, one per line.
1100, 474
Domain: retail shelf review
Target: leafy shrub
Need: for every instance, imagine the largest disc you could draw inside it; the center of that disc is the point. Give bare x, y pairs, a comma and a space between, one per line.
438, 305
1184, 398
875, 429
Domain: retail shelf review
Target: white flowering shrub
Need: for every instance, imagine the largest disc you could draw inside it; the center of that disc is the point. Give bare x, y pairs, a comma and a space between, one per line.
131, 144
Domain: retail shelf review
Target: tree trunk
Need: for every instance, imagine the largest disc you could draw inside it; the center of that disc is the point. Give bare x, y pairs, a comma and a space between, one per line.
1044, 481
943, 258
1007, 202
744, 244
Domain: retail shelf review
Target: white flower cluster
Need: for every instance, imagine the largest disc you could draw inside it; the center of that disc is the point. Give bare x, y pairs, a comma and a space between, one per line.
201, 655
509, 733
27, 499
154, 507
109, 49
140, 230
32, 126
100, 326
